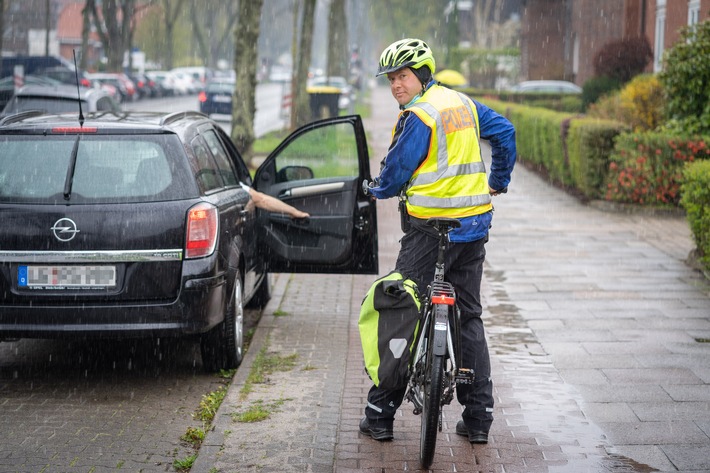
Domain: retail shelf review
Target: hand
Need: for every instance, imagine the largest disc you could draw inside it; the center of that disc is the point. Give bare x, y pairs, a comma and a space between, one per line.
299, 214
497, 192
366, 186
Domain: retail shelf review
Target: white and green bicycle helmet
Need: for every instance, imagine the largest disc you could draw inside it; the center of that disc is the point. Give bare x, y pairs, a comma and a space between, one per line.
410, 52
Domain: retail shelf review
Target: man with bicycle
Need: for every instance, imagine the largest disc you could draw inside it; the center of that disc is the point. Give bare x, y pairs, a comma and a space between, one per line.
434, 164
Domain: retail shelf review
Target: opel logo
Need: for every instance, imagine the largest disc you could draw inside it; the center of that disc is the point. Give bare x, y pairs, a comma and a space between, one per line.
64, 229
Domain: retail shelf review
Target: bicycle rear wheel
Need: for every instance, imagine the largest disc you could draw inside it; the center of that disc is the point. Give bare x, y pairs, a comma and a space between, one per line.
431, 391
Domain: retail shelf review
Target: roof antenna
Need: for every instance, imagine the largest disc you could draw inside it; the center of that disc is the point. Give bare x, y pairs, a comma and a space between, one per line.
78, 92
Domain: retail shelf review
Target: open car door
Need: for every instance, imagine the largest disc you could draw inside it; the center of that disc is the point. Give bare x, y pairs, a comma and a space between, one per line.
319, 169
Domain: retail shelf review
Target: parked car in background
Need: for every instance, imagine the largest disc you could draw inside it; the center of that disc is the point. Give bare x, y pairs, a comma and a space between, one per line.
200, 75
32, 64
145, 87
60, 99
120, 81
66, 75
547, 86
184, 83
165, 82
137, 225
217, 96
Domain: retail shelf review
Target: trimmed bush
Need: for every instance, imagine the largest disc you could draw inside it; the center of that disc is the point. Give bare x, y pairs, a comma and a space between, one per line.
572, 150
590, 142
642, 102
696, 201
647, 168
596, 88
639, 104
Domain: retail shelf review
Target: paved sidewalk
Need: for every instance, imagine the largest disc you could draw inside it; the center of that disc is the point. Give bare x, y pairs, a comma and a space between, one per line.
599, 342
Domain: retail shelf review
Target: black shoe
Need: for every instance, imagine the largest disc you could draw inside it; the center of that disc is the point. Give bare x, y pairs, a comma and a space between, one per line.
476, 436
377, 433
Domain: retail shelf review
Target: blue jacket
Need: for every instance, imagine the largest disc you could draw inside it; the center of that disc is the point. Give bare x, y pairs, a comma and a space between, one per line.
409, 148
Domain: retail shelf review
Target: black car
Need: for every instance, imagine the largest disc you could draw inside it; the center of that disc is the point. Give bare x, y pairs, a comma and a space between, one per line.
135, 225
217, 96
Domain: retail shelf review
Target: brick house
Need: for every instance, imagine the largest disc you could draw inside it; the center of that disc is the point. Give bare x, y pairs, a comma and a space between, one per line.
559, 38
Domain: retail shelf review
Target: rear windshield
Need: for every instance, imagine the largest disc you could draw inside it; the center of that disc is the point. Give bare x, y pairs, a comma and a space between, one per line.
220, 88
109, 168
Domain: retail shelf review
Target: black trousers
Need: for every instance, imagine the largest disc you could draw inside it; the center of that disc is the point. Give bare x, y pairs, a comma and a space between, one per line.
464, 269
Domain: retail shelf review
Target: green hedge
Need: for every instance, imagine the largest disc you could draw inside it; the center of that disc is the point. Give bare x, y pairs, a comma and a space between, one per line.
696, 201
572, 149
589, 144
570, 103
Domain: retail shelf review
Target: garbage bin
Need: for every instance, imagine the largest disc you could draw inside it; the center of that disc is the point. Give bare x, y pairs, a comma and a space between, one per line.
324, 101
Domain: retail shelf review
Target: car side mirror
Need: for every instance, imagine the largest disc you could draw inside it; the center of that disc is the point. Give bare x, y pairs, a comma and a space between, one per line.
294, 173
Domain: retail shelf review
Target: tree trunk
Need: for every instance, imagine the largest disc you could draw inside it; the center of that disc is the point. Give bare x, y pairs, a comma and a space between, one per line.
171, 8
246, 38
337, 64
114, 31
85, 30
47, 25
301, 104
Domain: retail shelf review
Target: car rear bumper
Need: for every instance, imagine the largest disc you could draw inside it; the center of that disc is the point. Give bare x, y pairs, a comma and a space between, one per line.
198, 308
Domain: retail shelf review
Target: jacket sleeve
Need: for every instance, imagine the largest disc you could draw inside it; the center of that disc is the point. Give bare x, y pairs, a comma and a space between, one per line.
408, 149
500, 133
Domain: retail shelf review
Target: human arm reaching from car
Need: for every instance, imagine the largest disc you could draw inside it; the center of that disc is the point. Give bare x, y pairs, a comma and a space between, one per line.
272, 204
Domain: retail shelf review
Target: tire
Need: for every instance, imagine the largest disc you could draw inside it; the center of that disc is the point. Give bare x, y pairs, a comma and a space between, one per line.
223, 346
431, 391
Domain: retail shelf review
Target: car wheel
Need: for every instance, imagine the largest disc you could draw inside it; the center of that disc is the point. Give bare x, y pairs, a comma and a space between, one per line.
223, 346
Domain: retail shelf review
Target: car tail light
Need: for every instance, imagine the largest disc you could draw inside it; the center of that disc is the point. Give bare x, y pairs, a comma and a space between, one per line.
202, 224
202, 97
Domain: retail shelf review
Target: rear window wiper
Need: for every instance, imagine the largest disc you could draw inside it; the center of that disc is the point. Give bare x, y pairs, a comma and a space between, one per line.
70, 171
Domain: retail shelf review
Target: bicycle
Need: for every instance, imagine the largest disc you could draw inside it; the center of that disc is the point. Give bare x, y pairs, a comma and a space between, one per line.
435, 372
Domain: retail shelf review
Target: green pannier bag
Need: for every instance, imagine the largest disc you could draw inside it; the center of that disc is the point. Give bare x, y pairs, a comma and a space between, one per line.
388, 324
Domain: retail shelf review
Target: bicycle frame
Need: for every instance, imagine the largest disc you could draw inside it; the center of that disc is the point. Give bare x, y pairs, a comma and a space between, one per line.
434, 370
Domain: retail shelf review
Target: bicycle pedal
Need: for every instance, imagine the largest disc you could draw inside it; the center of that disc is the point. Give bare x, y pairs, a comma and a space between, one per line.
464, 376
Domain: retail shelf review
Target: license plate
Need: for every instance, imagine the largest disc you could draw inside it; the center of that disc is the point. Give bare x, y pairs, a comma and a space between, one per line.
66, 277
223, 98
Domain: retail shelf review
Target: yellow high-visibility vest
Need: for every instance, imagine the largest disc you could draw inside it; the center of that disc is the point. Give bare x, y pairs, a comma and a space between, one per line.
451, 182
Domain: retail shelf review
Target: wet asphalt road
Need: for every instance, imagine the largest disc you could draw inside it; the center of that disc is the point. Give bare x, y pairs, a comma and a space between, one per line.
100, 405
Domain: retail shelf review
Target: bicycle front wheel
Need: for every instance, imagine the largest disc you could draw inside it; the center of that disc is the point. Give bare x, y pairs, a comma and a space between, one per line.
433, 382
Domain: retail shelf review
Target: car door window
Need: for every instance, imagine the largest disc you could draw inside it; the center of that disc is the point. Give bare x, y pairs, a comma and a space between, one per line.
220, 156
324, 152
235, 158
206, 173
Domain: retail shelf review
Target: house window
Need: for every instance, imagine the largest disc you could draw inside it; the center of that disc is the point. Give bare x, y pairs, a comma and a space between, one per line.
693, 12
660, 34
